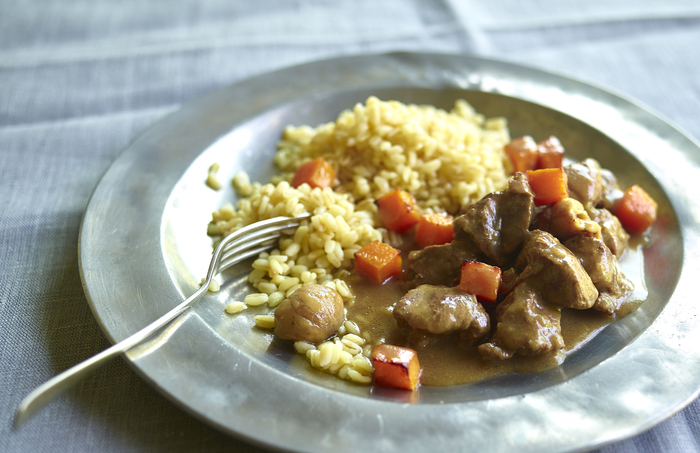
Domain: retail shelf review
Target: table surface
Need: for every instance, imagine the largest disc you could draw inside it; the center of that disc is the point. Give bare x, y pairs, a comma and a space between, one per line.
79, 80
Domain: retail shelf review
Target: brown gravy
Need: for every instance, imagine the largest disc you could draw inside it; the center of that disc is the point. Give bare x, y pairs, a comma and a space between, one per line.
447, 361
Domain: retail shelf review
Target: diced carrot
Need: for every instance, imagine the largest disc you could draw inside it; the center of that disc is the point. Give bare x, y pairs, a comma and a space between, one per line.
523, 153
434, 229
549, 185
636, 210
378, 261
481, 280
398, 210
551, 153
396, 367
317, 173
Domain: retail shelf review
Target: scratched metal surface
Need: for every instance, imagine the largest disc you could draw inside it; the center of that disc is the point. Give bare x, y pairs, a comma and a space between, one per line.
143, 247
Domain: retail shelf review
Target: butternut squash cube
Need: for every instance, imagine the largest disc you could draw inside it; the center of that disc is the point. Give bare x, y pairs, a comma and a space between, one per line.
396, 367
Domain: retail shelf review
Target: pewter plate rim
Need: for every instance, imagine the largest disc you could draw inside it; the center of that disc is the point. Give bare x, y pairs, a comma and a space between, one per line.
124, 223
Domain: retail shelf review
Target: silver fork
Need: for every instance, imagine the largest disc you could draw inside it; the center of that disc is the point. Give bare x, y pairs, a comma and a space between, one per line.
238, 246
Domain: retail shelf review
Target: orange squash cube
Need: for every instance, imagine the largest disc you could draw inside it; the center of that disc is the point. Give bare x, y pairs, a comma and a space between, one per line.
636, 210
549, 185
398, 210
523, 153
480, 279
551, 153
378, 261
396, 367
317, 173
434, 229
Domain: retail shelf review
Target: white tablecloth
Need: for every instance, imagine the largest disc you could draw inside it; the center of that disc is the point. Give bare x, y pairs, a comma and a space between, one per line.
80, 79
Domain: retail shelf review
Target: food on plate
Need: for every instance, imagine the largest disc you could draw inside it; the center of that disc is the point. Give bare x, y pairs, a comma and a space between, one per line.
549, 185
396, 367
398, 211
316, 173
378, 261
312, 314
568, 218
440, 309
434, 229
480, 279
213, 180
636, 210
523, 153
433, 236
550, 153
527, 325
526, 155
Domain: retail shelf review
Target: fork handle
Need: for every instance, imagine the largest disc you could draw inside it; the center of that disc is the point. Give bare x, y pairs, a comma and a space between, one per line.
262, 231
57, 385
60, 383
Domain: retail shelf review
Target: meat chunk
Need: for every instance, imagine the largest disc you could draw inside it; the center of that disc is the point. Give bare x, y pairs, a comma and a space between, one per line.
602, 266
612, 231
585, 182
611, 190
509, 278
443, 310
440, 264
555, 272
525, 324
541, 218
312, 313
499, 222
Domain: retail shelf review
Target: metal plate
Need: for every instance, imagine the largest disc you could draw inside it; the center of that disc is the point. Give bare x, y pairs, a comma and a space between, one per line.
143, 247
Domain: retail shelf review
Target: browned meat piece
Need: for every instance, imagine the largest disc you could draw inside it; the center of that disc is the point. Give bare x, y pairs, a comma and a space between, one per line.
525, 324
611, 190
482, 224
585, 182
509, 278
312, 313
614, 235
443, 310
602, 266
555, 272
516, 208
499, 222
440, 264
541, 218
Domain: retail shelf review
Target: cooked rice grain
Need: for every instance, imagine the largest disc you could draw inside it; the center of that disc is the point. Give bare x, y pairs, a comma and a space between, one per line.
214, 286
446, 159
212, 179
253, 300
265, 321
320, 247
342, 356
235, 307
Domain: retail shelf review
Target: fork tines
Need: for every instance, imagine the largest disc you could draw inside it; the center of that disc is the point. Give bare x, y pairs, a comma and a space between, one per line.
251, 240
